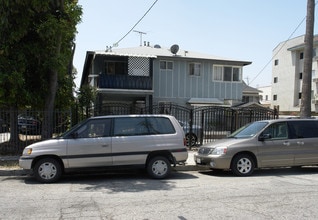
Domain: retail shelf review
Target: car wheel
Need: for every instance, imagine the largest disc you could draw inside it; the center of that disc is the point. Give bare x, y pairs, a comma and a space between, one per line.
159, 167
191, 139
48, 170
243, 165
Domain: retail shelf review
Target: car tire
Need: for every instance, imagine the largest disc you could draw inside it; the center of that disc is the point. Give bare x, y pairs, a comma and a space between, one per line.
191, 140
48, 170
243, 165
159, 167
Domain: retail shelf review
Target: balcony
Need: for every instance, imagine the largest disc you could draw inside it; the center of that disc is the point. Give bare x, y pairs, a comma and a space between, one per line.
125, 82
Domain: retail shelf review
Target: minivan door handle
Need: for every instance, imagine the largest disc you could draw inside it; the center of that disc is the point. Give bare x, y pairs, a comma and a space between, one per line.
300, 142
286, 143
105, 145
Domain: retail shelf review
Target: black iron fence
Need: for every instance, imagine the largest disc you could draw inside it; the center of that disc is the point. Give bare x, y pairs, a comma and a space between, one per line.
201, 125
19, 129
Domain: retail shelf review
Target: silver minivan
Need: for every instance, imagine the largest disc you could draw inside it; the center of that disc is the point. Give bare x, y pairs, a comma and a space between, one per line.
153, 142
263, 144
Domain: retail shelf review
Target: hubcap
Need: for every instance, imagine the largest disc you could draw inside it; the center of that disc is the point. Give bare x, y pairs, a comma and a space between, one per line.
47, 170
159, 167
244, 165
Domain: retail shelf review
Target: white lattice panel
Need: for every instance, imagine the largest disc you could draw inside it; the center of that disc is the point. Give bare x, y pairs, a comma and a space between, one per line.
138, 66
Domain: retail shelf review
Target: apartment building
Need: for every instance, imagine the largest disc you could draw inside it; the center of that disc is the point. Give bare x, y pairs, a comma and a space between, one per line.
287, 73
148, 75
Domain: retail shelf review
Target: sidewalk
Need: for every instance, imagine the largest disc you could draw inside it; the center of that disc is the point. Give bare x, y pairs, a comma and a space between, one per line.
9, 165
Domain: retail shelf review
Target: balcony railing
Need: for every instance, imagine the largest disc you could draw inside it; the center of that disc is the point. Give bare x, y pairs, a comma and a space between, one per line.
125, 82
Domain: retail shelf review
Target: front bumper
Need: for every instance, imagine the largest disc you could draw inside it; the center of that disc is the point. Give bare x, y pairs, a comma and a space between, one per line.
212, 161
25, 162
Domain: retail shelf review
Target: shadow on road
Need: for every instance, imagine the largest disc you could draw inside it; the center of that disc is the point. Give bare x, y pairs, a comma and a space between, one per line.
267, 172
114, 182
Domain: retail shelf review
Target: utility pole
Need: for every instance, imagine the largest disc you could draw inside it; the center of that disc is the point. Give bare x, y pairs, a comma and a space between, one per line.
140, 33
305, 107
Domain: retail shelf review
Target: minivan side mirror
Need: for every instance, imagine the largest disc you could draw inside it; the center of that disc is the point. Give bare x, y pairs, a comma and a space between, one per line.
264, 137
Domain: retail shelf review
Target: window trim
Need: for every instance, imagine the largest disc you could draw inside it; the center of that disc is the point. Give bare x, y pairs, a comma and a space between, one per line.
216, 75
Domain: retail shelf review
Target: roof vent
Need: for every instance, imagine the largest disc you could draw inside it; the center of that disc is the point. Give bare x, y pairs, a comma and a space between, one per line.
174, 49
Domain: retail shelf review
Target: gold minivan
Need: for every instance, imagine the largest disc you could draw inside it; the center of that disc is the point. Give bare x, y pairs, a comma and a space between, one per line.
263, 144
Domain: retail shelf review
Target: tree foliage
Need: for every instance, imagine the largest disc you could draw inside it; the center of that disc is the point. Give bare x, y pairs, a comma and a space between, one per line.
31, 31
86, 97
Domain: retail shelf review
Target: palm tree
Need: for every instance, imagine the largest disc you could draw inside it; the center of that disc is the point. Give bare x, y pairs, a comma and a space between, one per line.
305, 108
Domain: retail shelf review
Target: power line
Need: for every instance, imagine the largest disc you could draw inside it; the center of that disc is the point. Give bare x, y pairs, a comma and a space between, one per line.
270, 61
116, 44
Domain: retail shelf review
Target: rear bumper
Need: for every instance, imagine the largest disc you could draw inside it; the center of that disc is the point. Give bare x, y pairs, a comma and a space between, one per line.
180, 157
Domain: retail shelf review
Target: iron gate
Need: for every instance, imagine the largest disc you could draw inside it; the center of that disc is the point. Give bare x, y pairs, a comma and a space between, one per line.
201, 124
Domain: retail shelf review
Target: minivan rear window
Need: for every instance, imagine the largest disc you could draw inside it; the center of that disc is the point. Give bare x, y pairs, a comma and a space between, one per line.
304, 129
142, 126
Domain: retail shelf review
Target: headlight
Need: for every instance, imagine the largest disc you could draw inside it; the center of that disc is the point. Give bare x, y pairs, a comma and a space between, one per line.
219, 151
27, 151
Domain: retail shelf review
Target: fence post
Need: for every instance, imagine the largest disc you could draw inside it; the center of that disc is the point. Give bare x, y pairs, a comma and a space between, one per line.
232, 120
202, 126
190, 129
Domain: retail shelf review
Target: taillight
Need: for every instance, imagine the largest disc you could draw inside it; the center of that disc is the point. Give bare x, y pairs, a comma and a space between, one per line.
184, 142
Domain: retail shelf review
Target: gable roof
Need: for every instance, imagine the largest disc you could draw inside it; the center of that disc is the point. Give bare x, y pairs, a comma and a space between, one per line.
249, 90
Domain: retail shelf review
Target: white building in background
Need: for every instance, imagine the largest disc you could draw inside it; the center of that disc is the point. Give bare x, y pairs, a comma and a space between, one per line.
287, 71
265, 95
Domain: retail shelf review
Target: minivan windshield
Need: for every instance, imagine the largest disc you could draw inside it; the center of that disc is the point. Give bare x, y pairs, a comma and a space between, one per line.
249, 130
70, 131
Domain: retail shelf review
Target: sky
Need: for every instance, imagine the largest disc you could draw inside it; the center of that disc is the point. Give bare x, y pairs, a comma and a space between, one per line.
246, 30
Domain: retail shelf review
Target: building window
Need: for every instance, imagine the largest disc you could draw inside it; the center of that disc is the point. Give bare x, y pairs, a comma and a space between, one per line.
275, 79
301, 56
226, 73
116, 67
274, 97
236, 74
217, 76
166, 65
299, 95
266, 97
300, 75
276, 62
195, 69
